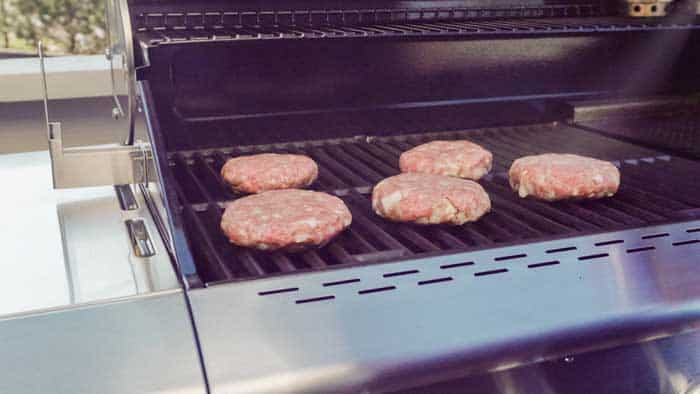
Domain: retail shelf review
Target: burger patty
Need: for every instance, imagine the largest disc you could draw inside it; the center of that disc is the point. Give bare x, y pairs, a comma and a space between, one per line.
558, 176
429, 199
285, 219
462, 159
269, 171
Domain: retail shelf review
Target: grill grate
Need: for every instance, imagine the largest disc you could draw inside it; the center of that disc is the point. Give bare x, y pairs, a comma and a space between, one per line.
155, 35
349, 168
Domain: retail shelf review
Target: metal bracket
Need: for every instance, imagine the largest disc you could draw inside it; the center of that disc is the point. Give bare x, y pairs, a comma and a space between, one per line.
96, 165
140, 239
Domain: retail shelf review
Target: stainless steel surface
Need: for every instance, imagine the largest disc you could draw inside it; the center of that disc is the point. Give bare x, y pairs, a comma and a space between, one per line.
100, 258
140, 239
664, 366
108, 164
69, 246
31, 253
85, 121
396, 325
613, 109
139, 345
127, 200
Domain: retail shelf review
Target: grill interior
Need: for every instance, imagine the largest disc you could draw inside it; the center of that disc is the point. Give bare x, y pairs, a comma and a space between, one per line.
350, 167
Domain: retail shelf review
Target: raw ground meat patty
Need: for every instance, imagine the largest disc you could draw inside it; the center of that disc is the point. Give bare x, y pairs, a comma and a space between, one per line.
429, 199
462, 159
554, 176
269, 171
285, 219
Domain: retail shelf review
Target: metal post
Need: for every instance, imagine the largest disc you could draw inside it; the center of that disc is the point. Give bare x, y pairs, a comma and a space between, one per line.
43, 83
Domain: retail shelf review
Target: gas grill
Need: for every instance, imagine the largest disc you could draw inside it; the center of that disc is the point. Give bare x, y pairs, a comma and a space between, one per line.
388, 306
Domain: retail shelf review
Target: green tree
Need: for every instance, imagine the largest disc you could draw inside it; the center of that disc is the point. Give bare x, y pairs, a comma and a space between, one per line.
71, 26
4, 26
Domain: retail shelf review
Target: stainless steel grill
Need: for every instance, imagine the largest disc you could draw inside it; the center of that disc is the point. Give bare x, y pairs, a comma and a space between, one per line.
349, 168
530, 281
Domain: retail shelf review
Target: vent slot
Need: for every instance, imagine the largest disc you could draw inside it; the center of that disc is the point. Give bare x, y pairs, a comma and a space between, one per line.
278, 291
432, 281
593, 256
457, 265
511, 257
543, 264
613, 242
401, 273
640, 249
650, 236
491, 272
377, 290
316, 299
559, 250
341, 282
681, 243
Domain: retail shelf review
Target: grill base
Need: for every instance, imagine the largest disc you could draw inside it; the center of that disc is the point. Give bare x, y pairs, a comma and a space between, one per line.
350, 167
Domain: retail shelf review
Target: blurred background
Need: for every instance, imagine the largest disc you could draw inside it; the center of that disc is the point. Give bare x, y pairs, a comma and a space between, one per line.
65, 26
79, 88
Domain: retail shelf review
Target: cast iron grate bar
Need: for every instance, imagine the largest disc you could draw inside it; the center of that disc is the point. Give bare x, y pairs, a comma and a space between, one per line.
349, 168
